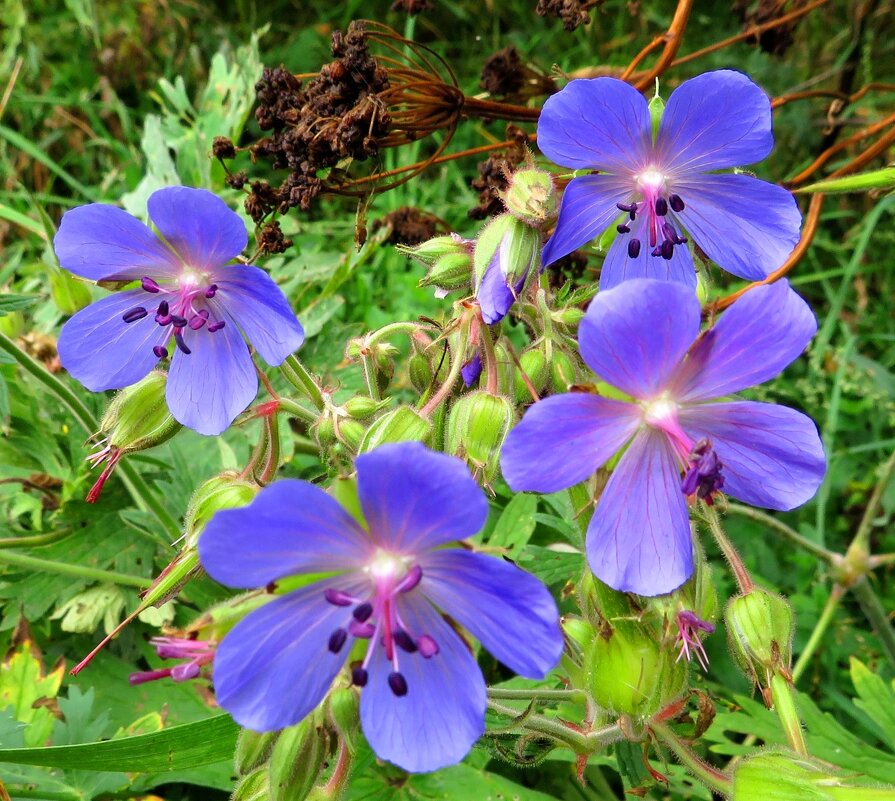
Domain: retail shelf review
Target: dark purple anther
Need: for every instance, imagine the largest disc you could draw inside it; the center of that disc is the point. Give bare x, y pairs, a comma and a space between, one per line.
161, 351
162, 316
337, 640
137, 313
676, 203
398, 684
363, 611
704, 476
623, 229
338, 598
661, 206
405, 641
362, 630
427, 646
149, 285
413, 577
178, 338
667, 249
669, 232
216, 326
179, 322
629, 207
209, 293
359, 677
198, 320
633, 248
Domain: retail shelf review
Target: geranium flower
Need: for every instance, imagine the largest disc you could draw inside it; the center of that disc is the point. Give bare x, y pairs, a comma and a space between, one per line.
187, 293
666, 188
643, 338
423, 699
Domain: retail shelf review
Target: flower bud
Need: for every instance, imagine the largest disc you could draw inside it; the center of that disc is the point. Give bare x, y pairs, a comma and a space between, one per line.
774, 775
530, 196
296, 761
69, 294
252, 787
399, 425
324, 431
360, 407
448, 258
421, 373
629, 673
138, 417
760, 626
253, 749
563, 371
351, 432
343, 713
510, 246
656, 108
506, 368
569, 316
477, 425
534, 364
226, 491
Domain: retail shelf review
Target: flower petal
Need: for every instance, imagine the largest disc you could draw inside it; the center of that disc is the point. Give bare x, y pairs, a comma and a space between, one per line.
563, 439
210, 386
619, 266
635, 335
718, 119
105, 243
102, 351
443, 713
639, 537
755, 339
415, 499
494, 296
204, 230
772, 455
259, 307
746, 226
274, 666
508, 610
587, 209
290, 527
597, 123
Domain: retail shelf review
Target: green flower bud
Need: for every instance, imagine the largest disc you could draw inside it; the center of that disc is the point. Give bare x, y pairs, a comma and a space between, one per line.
477, 425
774, 775
421, 373
343, 712
563, 371
629, 673
360, 407
453, 271
68, 293
252, 787
324, 431
531, 196
296, 761
515, 245
138, 417
351, 432
760, 627
399, 425
570, 316
226, 491
438, 247
534, 364
252, 749
506, 368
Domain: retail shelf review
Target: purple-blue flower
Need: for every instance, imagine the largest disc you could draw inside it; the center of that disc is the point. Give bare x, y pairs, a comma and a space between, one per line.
187, 293
666, 188
389, 584
643, 338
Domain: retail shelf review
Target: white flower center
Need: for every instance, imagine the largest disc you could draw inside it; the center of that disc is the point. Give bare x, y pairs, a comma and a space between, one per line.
190, 279
386, 566
651, 179
659, 411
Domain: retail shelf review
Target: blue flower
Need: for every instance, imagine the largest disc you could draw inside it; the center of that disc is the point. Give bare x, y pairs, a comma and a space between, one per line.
187, 293
423, 698
643, 338
666, 188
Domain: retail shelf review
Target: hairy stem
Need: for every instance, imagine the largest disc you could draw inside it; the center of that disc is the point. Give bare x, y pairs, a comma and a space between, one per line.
781, 528
711, 777
65, 569
744, 580
875, 613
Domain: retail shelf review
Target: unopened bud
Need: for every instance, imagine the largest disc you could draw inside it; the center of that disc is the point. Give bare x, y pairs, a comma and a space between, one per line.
786, 776
68, 293
570, 316
630, 674
399, 425
138, 416
226, 491
563, 371
438, 247
253, 787
296, 761
253, 749
534, 364
343, 712
452, 271
324, 431
509, 246
530, 196
760, 627
360, 407
421, 373
477, 425
351, 432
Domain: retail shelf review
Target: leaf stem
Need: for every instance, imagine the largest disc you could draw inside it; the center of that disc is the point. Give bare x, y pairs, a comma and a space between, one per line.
297, 375
744, 580
80, 571
711, 777
876, 614
818, 632
536, 694
781, 528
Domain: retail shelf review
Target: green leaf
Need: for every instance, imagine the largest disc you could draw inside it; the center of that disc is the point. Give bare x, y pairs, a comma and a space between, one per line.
876, 698
516, 523
10, 303
180, 747
24, 685
875, 179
